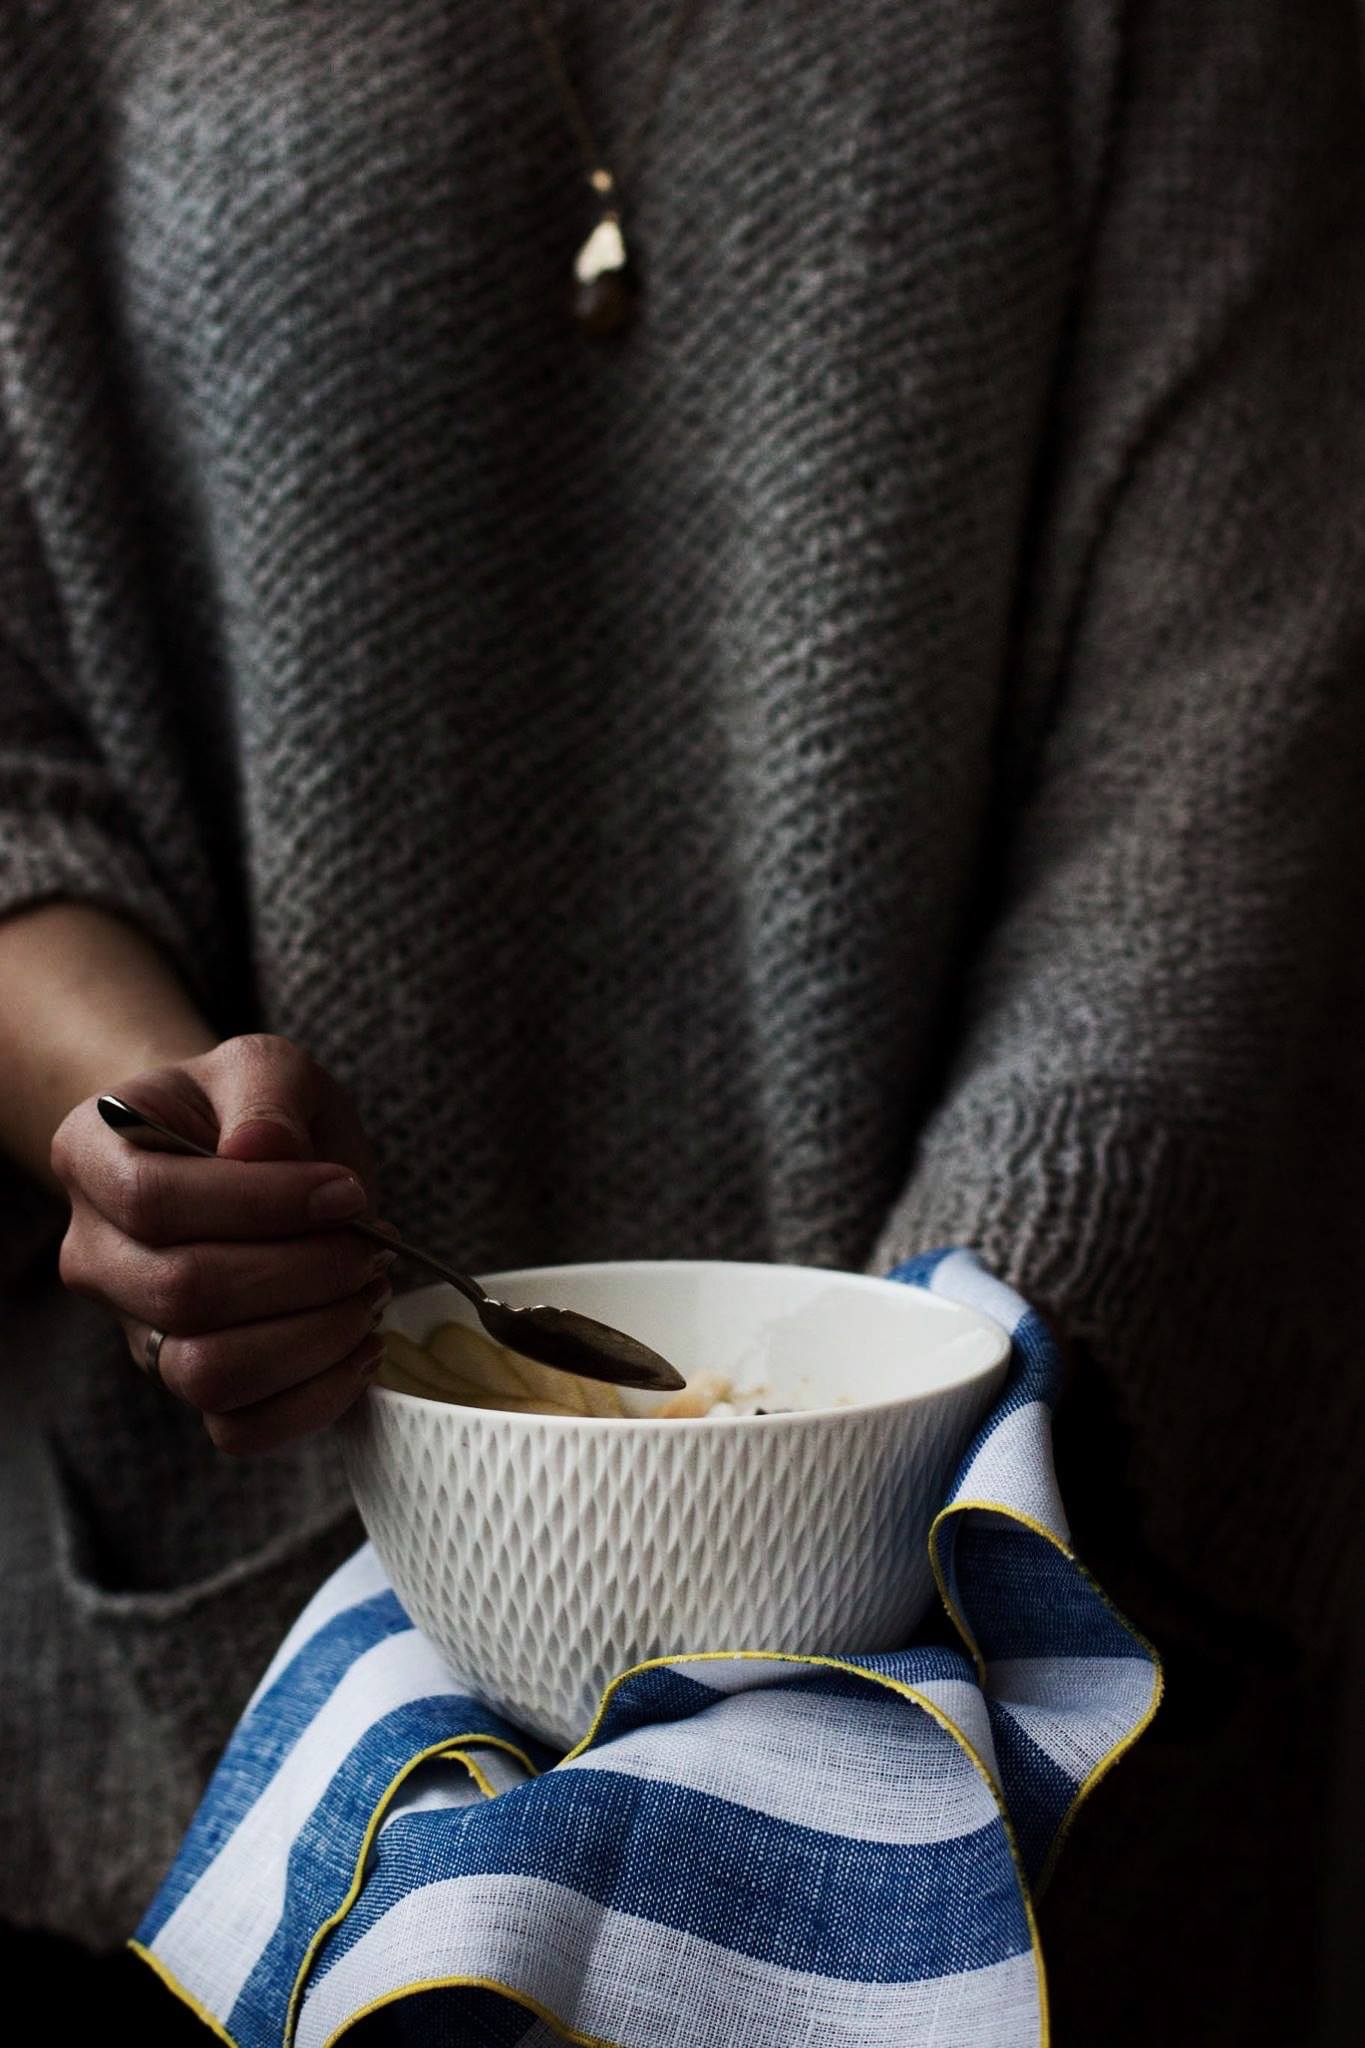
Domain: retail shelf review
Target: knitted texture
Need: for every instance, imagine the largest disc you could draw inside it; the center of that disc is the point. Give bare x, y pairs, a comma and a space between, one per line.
872, 760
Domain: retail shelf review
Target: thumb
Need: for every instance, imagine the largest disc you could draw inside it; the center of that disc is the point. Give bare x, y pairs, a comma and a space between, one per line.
264, 1092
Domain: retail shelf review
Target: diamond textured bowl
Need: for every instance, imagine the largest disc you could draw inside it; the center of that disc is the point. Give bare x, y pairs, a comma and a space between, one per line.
545, 1554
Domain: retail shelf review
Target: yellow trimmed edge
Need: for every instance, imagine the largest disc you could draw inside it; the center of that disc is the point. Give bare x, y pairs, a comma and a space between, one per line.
895, 1685
155, 1964
522, 1998
480, 1777
453, 1746
1125, 1743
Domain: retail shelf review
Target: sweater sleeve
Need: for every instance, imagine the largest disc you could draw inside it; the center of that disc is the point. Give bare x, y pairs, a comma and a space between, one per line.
64, 832
1162, 1015
94, 803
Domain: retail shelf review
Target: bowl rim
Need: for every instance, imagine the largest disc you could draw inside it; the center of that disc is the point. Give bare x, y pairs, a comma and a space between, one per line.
847, 1413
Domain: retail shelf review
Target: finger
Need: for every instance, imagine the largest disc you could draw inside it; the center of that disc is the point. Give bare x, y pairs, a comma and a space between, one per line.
265, 1091
163, 1198
302, 1411
224, 1370
169, 1095
190, 1289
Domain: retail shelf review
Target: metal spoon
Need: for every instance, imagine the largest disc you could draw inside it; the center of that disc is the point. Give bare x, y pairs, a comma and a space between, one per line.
554, 1336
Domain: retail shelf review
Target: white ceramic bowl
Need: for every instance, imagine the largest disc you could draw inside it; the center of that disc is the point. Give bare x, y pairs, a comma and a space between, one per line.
545, 1554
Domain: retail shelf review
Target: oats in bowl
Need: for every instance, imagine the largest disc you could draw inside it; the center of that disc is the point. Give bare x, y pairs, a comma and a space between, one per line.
463, 1365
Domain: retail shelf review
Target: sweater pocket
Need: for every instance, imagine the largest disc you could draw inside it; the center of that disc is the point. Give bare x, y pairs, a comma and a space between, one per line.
187, 1658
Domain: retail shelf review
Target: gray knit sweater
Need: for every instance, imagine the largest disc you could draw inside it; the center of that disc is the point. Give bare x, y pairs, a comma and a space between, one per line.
873, 759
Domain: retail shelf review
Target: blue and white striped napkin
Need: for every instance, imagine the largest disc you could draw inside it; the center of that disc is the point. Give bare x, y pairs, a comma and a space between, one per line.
745, 1849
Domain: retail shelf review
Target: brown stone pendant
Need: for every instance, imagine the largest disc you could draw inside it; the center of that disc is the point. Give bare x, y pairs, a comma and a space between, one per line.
605, 291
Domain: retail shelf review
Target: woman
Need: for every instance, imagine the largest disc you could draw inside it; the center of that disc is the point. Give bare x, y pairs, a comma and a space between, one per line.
864, 757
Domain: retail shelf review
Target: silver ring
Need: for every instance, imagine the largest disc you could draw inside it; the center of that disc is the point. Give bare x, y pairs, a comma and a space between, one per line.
151, 1355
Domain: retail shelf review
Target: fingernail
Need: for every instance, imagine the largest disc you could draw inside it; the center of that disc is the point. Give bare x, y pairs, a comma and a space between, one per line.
379, 1294
371, 1360
379, 1269
336, 1199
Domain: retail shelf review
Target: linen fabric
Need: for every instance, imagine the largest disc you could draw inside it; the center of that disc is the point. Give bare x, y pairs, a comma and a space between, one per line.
744, 1848
873, 761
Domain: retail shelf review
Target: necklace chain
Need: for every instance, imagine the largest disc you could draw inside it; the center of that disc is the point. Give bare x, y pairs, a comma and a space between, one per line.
602, 178
605, 280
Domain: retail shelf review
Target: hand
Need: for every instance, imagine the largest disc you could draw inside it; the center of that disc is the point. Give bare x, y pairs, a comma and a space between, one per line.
268, 1307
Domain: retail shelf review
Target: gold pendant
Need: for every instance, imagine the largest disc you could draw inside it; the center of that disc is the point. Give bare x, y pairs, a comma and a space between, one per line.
604, 290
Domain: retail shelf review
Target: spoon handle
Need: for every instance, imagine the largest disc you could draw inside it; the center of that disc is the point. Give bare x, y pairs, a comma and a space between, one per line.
150, 1136
467, 1284
144, 1131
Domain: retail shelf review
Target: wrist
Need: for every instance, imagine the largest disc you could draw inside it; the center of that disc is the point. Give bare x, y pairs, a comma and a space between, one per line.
90, 1001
